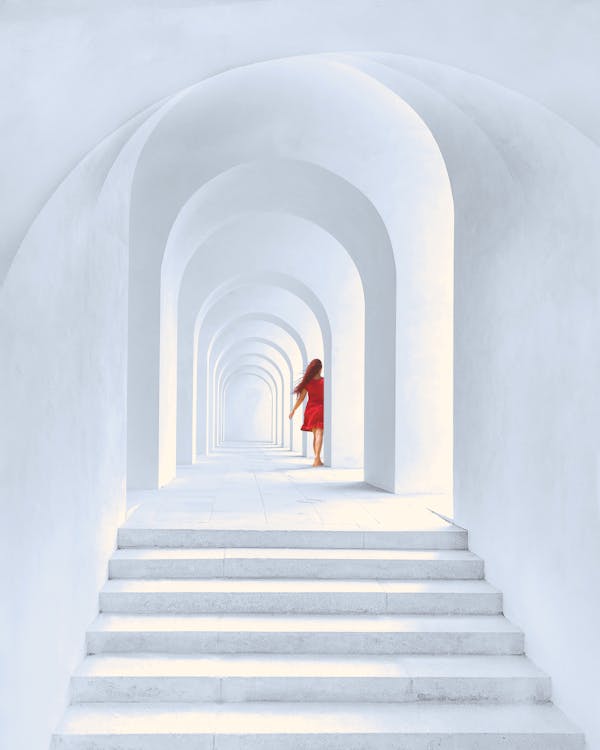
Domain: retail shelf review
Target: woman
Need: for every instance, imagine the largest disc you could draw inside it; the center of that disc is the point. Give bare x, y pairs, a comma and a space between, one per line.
312, 383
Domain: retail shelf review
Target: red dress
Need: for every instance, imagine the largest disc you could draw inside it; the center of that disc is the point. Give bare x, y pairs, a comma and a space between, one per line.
313, 414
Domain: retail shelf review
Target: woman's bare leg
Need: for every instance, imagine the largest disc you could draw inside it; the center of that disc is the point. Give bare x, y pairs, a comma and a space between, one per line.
318, 444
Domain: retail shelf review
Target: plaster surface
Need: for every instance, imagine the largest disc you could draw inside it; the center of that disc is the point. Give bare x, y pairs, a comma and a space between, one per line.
155, 48
518, 142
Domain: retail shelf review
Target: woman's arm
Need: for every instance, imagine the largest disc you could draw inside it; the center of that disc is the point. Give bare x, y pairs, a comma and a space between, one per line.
299, 400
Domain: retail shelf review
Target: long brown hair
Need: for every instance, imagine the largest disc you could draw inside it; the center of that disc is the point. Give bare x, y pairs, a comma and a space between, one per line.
314, 367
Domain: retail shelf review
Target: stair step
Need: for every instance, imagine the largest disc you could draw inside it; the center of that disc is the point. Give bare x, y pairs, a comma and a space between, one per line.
315, 726
312, 677
298, 596
332, 634
450, 537
294, 563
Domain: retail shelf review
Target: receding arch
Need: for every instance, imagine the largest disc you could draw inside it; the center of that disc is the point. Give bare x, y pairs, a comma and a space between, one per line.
270, 370
262, 359
419, 158
477, 245
225, 409
247, 345
276, 279
288, 340
189, 405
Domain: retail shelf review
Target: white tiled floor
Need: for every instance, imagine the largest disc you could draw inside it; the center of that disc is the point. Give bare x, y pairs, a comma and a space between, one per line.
271, 488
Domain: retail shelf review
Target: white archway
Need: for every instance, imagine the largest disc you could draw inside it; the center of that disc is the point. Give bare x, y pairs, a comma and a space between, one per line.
245, 420
231, 347
243, 331
233, 303
417, 412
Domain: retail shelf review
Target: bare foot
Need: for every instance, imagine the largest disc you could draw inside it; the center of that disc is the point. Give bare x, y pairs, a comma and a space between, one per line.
318, 462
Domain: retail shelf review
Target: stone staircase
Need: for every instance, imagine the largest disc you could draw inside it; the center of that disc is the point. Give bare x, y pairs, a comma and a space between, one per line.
300, 639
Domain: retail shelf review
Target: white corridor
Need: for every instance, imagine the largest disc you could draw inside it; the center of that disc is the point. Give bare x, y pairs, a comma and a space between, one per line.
200, 199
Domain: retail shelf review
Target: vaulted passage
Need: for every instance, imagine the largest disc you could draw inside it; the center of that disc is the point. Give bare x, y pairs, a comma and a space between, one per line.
289, 239
251, 603
201, 199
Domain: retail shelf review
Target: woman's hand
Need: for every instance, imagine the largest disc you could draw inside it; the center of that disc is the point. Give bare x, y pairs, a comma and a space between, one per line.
299, 400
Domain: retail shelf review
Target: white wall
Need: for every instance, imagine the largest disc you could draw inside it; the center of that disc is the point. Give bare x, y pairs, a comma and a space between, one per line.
63, 319
528, 410
526, 359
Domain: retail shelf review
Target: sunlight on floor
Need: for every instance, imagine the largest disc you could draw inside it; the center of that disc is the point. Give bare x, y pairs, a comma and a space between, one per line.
267, 487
